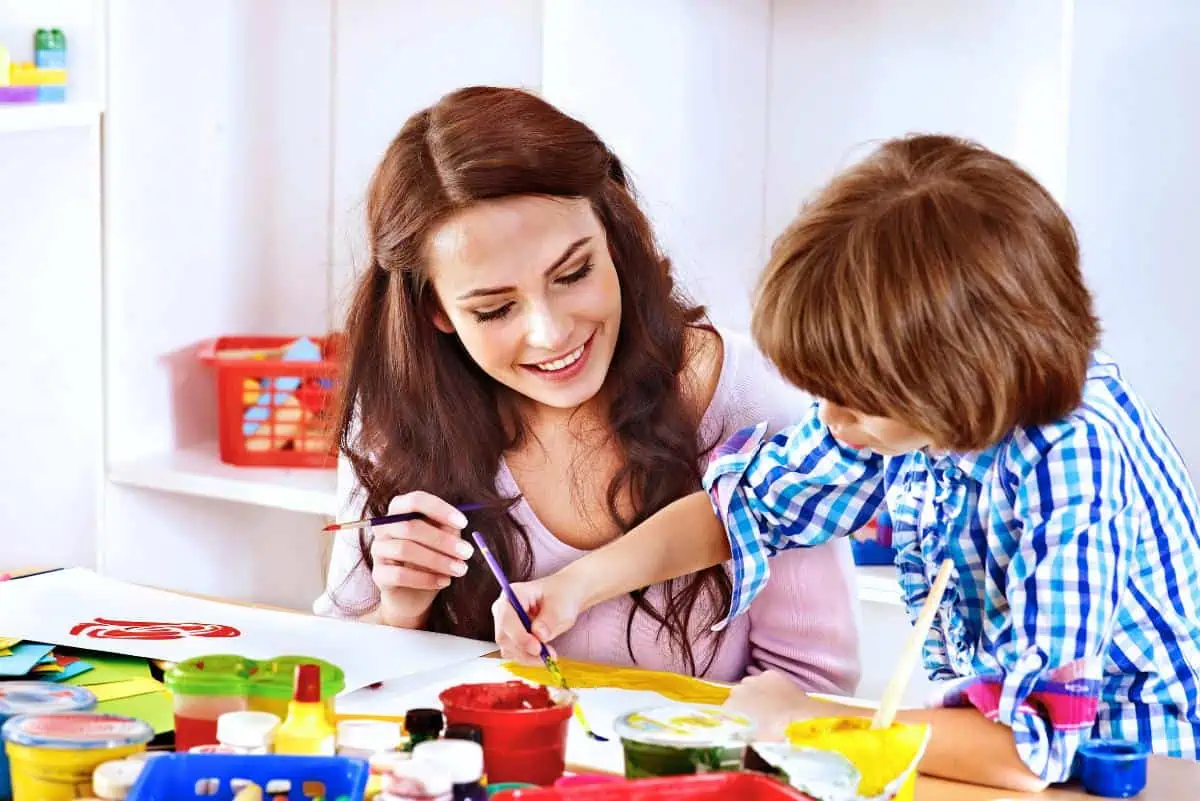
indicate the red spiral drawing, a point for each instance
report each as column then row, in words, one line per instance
column 103, row 628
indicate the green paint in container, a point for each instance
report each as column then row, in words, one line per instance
column 678, row 740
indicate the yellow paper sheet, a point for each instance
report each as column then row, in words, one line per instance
column 583, row 675
column 5, row 652
column 8, row 642
column 125, row 689
column 49, row 667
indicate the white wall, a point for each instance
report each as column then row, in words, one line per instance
column 678, row 90
column 1132, row 191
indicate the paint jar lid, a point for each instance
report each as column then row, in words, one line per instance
column 74, row 731
column 687, row 726
column 247, row 729
column 369, row 736
column 418, row 778
column 216, row 674
column 462, row 760
column 1113, row 768
column 464, row 731
column 218, row 748
column 275, row 678
column 423, row 721
column 34, row 697
column 114, row 779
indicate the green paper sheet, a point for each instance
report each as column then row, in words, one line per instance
column 154, row 708
column 108, row 667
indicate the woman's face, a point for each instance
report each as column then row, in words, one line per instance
column 528, row 286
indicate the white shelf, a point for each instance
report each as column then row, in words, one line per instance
column 878, row 584
column 199, row 472
column 17, row 117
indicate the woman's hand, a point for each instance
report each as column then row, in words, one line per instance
column 553, row 604
column 416, row 559
column 772, row 701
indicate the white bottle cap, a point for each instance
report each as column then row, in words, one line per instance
column 369, row 736
column 415, row 777
column 114, row 779
column 461, row 759
column 247, row 729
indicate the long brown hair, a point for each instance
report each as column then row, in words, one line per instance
column 936, row 283
column 417, row 413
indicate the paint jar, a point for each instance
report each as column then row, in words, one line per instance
column 463, row 763
column 679, row 740
column 380, row 765
column 270, row 685
column 253, row 732
column 524, row 727
column 417, row 781
column 366, row 738
column 36, row 697
column 52, row 757
column 112, row 780
column 217, row 748
column 463, row 731
column 422, row 725
column 204, row 689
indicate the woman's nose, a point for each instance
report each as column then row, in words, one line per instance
column 546, row 330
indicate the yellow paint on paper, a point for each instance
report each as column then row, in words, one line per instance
column 886, row 758
column 584, row 675
column 125, row 689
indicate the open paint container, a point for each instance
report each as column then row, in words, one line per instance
column 524, row 727
column 52, row 756
column 676, row 740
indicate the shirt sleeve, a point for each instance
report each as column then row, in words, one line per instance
column 350, row 590
column 799, row 487
column 1064, row 585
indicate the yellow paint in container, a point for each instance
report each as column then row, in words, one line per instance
column 52, row 757
column 885, row 758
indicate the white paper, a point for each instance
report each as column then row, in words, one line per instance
column 601, row 706
column 79, row 608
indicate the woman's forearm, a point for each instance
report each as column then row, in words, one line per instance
column 682, row 538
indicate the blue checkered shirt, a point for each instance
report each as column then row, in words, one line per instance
column 1073, row 610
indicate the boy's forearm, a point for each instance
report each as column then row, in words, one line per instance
column 682, row 538
column 964, row 746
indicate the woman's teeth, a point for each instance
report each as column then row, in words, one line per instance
column 564, row 362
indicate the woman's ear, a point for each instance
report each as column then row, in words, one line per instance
column 441, row 322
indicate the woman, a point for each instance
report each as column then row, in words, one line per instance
column 518, row 341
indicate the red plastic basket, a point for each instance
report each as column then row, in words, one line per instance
column 700, row 787
column 274, row 410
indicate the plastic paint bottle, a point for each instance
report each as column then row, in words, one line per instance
column 462, row 761
column 422, row 725
column 249, row 730
column 417, row 781
column 306, row 730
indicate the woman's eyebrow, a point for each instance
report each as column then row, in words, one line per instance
column 570, row 251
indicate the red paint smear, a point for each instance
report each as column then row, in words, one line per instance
column 107, row 629
column 515, row 695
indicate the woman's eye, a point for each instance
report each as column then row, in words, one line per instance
column 483, row 315
column 577, row 275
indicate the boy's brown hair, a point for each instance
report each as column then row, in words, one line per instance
column 935, row 283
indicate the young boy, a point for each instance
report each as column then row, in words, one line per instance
column 932, row 297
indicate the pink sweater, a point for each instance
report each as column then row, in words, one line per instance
column 805, row 623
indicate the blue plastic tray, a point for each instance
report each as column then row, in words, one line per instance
column 209, row 777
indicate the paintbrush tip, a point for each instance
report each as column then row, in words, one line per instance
column 332, row 527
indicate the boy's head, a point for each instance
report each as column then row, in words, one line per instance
column 935, row 285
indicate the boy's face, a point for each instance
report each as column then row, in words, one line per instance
column 862, row 431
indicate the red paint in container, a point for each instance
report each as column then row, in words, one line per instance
column 524, row 728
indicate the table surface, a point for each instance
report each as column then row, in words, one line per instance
column 1169, row 779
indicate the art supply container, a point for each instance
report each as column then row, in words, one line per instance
column 253, row 732
column 51, row 757
column 32, row 698
column 417, row 781
column 186, row 776
column 678, row 740
column 520, row 744
column 422, row 725
column 821, row 774
column 270, row 685
column 700, row 787
column 366, row 738
column 203, row 689
column 113, row 780
column 1113, row 768
column 886, row 758
column 463, row 761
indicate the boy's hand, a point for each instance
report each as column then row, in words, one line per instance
column 553, row 606
column 772, row 701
